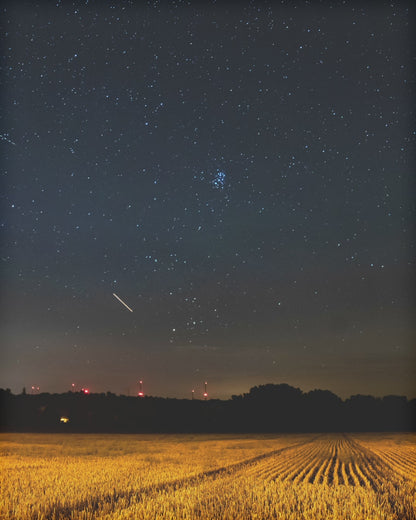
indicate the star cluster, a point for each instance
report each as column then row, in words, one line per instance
column 240, row 174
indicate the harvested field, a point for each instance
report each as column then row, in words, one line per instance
column 314, row 476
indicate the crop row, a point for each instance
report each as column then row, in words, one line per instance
column 330, row 461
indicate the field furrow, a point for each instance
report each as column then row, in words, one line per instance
column 406, row 467
column 319, row 476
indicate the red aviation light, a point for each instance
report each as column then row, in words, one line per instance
column 141, row 393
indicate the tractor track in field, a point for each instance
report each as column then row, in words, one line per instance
column 111, row 501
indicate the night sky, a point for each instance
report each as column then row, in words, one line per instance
column 239, row 174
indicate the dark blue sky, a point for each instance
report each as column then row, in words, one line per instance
column 240, row 175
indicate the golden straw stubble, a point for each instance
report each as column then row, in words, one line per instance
column 313, row 476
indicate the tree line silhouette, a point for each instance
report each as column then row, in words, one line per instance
column 265, row 408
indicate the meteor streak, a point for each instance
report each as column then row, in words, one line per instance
column 121, row 301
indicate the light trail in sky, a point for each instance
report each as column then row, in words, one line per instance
column 121, row 301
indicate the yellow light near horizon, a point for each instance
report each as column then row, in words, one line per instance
column 64, row 419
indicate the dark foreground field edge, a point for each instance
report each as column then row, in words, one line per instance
column 265, row 408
